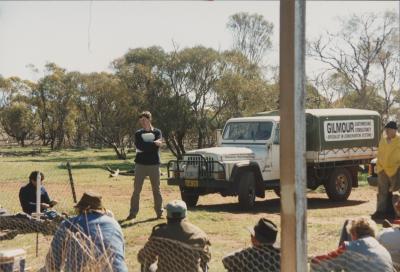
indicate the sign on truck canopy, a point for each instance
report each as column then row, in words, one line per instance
column 346, row 130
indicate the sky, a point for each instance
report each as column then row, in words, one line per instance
column 86, row 36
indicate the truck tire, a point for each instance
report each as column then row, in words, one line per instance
column 190, row 197
column 247, row 190
column 339, row 185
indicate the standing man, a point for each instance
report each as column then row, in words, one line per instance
column 147, row 141
column 388, row 170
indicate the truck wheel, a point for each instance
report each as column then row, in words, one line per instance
column 190, row 197
column 247, row 190
column 339, row 185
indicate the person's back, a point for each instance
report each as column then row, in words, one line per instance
column 262, row 256
column 362, row 253
column 182, row 231
column 377, row 258
column 94, row 231
column 390, row 239
column 106, row 234
column 177, row 233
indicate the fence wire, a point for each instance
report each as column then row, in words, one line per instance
column 17, row 229
column 351, row 261
column 79, row 252
column 21, row 230
column 161, row 254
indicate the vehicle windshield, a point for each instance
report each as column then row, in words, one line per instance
column 247, row 131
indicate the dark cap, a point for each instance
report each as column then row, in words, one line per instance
column 391, row 124
column 176, row 209
column 90, row 200
column 265, row 231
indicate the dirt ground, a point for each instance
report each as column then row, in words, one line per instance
column 219, row 217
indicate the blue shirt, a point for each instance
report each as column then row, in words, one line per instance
column 104, row 232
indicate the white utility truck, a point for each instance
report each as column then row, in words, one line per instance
column 247, row 161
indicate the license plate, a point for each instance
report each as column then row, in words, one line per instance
column 191, row 183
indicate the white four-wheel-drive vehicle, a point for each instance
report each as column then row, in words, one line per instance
column 247, row 162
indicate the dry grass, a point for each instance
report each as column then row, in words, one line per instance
column 217, row 216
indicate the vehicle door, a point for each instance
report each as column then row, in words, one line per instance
column 274, row 154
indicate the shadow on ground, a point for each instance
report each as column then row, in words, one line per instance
column 24, row 153
column 273, row 206
column 126, row 224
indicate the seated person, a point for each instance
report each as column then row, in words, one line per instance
column 362, row 253
column 177, row 245
column 389, row 236
column 261, row 256
column 91, row 241
column 390, row 239
column 27, row 195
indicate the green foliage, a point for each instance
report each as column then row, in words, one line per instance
column 372, row 101
column 18, row 121
column 109, row 110
column 193, row 91
column 314, row 100
column 54, row 99
column 251, row 35
column 361, row 62
column 206, row 86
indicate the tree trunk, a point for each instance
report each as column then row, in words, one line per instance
column 43, row 134
column 181, row 143
column 200, row 139
column 167, row 141
column 121, row 154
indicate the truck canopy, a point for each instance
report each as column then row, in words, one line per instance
column 328, row 129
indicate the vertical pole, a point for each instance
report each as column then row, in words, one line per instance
column 71, row 181
column 38, row 200
column 38, row 192
column 292, row 136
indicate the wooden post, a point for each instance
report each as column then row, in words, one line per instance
column 37, row 244
column 292, row 136
column 71, row 182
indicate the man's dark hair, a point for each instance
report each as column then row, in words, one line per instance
column 146, row 114
column 34, row 174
